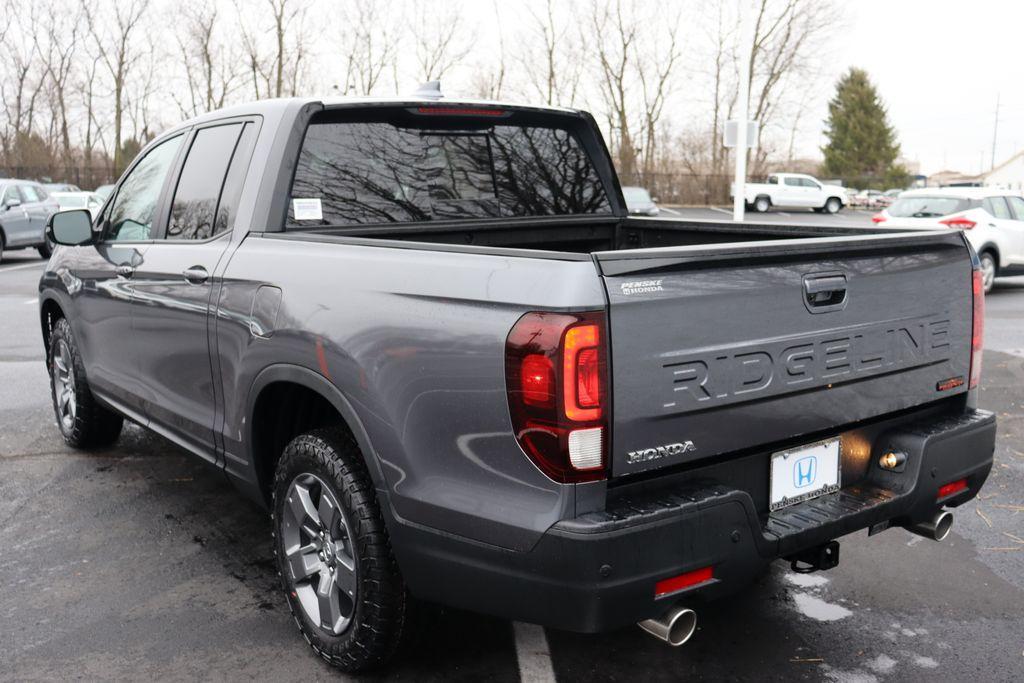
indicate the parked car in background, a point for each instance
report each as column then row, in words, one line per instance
column 889, row 196
column 78, row 200
column 867, row 199
column 992, row 220
column 639, row 202
column 62, row 187
column 794, row 191
column 25, row 206
column 104, row 191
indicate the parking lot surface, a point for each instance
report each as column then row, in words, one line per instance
column 137, row 562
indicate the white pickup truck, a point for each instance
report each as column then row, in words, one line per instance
column 794, row 191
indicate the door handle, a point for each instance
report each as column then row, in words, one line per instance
column 125, row 270
column 196, row 275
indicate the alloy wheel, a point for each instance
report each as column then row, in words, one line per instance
column 64, row 385
column 319, row 554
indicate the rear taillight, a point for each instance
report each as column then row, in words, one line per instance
column 556, row 376
column 958, row 223
column 878, row 218
column 978, row 327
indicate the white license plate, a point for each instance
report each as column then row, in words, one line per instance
column 803, row 473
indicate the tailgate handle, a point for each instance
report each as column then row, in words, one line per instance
column 825, row 292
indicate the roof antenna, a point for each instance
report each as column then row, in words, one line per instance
column 431, row 90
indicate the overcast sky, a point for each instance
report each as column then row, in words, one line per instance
column 939, row 66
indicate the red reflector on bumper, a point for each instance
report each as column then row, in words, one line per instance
column 951, row 488
column 678, row 583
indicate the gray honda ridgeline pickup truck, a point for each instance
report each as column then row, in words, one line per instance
column 429, row 337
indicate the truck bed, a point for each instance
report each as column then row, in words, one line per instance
column 587, row 235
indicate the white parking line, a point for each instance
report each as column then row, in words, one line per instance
column 23, row 267
column 533, row 654
column 715, row 208
column 30, row 301
column 783, row 213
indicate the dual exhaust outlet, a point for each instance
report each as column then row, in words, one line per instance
column 678, row 625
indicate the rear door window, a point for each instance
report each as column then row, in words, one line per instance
column 29, row 194
column 996, row 206
column 194, row 210
column 1017, row 205
column 413, row 170
column 794, row 182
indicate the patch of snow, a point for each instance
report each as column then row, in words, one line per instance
column 818, row 609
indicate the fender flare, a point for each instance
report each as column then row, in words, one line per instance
column 296, row 374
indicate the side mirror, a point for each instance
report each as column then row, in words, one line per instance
column 72, row 228
column 12, row 202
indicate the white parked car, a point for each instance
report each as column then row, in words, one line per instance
column 78, row 200
column 992, row 219
column 794, row 191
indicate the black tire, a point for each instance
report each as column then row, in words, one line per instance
column 1, row 246
column 82, row 421
column 378, row 625
column 832, row 205
column 762, row 204
column 989, row 270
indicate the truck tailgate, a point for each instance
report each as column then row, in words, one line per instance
column 716, row 349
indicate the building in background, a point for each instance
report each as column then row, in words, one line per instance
column 1008, row 175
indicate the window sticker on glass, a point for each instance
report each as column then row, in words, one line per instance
column 307, row 209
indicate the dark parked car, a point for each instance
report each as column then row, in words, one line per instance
column 431, row 340
column 25, row 207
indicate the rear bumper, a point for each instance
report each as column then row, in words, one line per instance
column 597, row 572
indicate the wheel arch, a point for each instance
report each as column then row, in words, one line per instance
column 312, row 401
column 50, row 311
column 993, row 249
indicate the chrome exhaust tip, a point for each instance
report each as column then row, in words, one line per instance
column 675, row 627
column 937, row 528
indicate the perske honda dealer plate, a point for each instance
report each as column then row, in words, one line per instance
column 803, row 473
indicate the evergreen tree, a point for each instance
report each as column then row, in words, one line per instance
column 862, row 146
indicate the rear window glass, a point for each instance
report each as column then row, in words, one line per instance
column 928, row 207
column 378, row 172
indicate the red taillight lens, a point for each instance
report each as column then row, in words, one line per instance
column 978, row 328
column 537, row 380
column 958, row 223
column 952, row 487
column 555, row 366
column 678, row 583
column 878, row 218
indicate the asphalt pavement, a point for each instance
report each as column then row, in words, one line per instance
column 138, row 562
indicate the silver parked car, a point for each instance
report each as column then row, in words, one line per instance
column 25, row 206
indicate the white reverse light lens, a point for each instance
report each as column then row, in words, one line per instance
column 585, row 446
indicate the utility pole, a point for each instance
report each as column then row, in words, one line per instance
column 740, row 181
column 995, row 130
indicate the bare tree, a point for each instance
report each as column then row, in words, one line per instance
column 555, row 77
column 489, row 82
column 20, row 81
column 276, row 70
column 370, row 45
column 212, row 69
column 785, row 38
column 56, row 47
column 627, row 56
column 113, row 33
column 440, row 39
